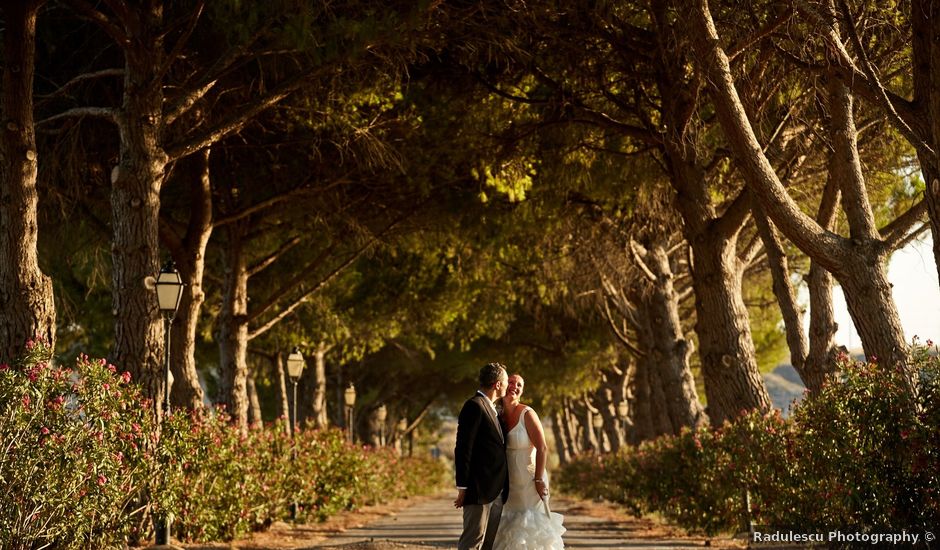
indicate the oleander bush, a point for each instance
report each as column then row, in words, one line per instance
column 74, row 454
column 82, row 464
column 864, row 452
column 221, row 483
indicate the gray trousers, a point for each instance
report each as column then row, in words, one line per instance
column 480, row 522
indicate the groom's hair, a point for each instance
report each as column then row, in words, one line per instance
column 490, row 374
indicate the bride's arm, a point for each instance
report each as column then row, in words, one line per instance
column 537, row 436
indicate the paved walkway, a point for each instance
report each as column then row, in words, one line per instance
column 435, row 523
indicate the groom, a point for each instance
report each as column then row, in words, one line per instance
column 480, row 457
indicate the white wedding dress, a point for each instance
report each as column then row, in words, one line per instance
column 525, row 523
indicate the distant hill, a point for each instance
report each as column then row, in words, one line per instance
column 784, row 386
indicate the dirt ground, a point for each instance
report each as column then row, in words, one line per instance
column 283, row 536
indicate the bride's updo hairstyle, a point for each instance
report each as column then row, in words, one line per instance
column 490, row 374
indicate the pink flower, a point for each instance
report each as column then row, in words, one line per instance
column 44, row 430
column 126, row 377
column 26, row 401
column 30, row 344
column 106, row 387
column 101, row 479
column 112, row 368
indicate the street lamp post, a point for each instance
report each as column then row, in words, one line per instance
column 598, row 422
column 295, row 368
column 381, row 414
column 169, row 287
column 349, row 396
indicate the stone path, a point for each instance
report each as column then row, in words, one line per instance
column 434, row 523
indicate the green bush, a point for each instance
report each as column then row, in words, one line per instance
column 73, row 455
column 221, row 484
column 82, row 465
column 863, row 452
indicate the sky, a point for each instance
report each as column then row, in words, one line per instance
column 913, row 273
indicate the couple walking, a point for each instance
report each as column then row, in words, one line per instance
column 500, row 459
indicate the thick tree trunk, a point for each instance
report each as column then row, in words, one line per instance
column 190, row 258
column 135, row 207
column 783, row 290
column 667, row 350
column 586, row 424
column 280, row 383
column 233, row 329
column 562, row 445
column 871, row 305
column 605, row 399
column 644, row 426
column 820, row 360
column 925, row 46
column 313, row 387
column 729, row 363
column 26, row 299
column 320, row 420
column 254, row 403
column 864, row 280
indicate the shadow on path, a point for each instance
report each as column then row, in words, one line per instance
column 434, row 523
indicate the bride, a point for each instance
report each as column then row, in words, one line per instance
column 526, row 521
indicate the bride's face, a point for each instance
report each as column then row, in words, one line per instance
column 514, row 389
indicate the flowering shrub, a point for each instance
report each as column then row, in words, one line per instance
column 73, row 453
column 862, row 452
column 82, row 464
column 221, row 484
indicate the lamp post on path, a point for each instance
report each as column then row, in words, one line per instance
column 169, row 292
column 295, row 368
column 349, row 397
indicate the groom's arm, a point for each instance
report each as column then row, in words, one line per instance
column 467, row 425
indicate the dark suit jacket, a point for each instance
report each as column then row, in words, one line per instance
column 480, row 454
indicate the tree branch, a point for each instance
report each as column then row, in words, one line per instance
column 181, row 42
column 303, row 297
column 106, row 113
column 260, row 265
column 268, row 203
column 896, row 231
column 303, row 276
column 82, row 78
column 783, row 290
column 901, row 112
column 758, row 172
column 85, row 9
column 734, row 216
column 638, row 251
column 912, row 236
column 761, row 34
column 192, row 93
column 240, row 117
